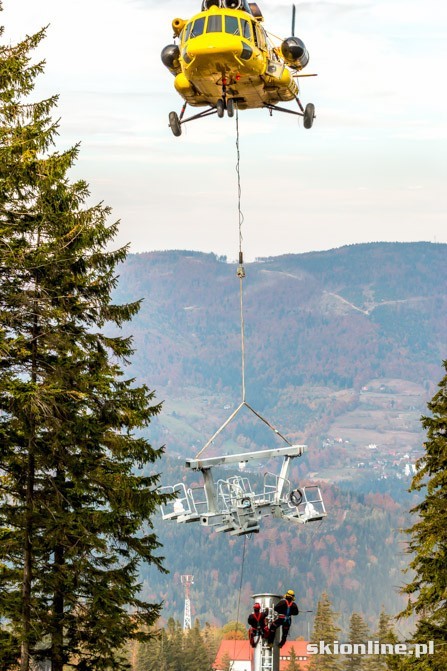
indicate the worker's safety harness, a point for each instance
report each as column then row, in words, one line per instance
column 257, row 632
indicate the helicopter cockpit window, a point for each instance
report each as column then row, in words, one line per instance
column 246, row 30
column 255, row 34
column 185, row 33
column 232, row 25
column 214, row 24
column 198, row 28
column 262, row 43
column 247, row 51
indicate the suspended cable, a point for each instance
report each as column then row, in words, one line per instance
column 240, row 270
column 239, row 595
column 240, row 582
column 239, row 189
column 241, row 275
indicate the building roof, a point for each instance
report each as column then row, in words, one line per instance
column 241, row 651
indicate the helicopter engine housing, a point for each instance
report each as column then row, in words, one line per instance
column 170, row 58
column 232, row 4
column 294, row 52
column 207, row 4
column 226, row 4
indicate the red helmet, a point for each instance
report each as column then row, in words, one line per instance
column 256, row 606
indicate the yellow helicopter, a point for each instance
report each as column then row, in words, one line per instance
column 225, row 58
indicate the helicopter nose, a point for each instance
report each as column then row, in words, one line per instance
column 202, row 48
column 211, row 49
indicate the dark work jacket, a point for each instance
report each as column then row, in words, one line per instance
column 282, row 606
column 255, row 622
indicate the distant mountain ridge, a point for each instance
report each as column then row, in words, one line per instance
column 327, row 321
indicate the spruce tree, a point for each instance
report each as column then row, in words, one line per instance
column 227, row 663
column 325, row 629
column 195, row 652
column 174, row 649
column 293, row 664
column 386, row 635
column 358, row 634
column 152, row 656
column 77, row 487
column 212, row 637
column 427, row 590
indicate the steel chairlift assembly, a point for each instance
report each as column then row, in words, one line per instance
column 232, row 505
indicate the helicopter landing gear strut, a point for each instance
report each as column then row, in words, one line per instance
column 220, row 108
column 225, row 104
column 175, row 124
column 176, row 121
column 308, row 113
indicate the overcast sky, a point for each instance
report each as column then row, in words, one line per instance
column 373, row 167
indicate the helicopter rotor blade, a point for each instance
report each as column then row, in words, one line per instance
column 293, row 20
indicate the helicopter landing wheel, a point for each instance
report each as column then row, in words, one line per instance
column 174, row 124
column 309, row 115
column 230, row 107
column 220, row 107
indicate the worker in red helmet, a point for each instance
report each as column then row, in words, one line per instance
column 258, row 625
column 285, row 609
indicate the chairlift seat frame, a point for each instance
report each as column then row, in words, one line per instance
column 232, row 505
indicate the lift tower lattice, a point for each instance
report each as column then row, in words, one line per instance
column 187, row 581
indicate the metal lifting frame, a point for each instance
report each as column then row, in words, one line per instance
column 244, row 500
column 241, row 276
column 287, row 452
column 232, row 506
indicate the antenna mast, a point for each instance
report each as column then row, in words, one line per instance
column 187, row 581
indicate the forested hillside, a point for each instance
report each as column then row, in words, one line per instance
column 344, row 348
column 346, row 343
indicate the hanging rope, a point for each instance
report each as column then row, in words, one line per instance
column 239, row 596
column 240, row 582
column 241, row 275
column 239, row 189
column 241, row 269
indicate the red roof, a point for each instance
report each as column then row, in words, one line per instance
column 242, row 651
